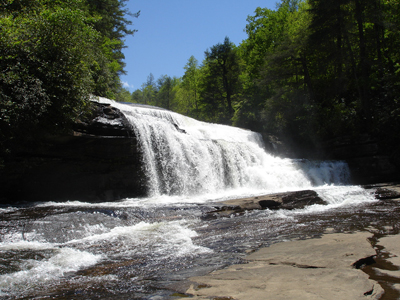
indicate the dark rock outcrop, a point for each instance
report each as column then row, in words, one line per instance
column 291, row 200
column 99, row 161
column 368, row 162
column 287, row 200
column 389, row 191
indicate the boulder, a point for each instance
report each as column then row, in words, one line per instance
column 287, row 200
column 385, row 191
column 300, row 199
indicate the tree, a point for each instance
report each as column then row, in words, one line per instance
column 112, row 24
column 220, row 81
column 165, row 93
column 46, row 55
column 349, row 37
column 137, row 96
column 277, row 82
column 123, row 95
column 52, row 58
column 190, row 85
column 150, row 80
column 149, row 91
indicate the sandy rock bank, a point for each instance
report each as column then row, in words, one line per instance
column 321, row 268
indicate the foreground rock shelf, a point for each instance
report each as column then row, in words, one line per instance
column 304, row 269
column 359, row 265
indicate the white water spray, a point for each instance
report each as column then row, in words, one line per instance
column 183, row 156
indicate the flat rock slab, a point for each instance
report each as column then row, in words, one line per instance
column 391, row 245
column 320, row 268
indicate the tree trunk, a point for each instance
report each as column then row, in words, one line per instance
column 307, row 77
column 364, row 76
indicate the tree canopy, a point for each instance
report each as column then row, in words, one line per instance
column 310, row 70
column 53, row 56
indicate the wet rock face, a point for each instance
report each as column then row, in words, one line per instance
column 301, row 199
column 292, row 200
column 99, row 161
column 105, row 121
column 368, row 161
column 288, row 200
column 383, row 193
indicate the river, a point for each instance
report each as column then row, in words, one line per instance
column 147, row 248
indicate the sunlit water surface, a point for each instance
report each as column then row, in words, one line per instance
column 138, row 248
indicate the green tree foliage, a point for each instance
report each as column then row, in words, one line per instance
column 335, row 70
column 189, row 91
column 160, row 93
column 357, row 61
column 123, row 95
column 220, row 82
column 46, row 55
column 310, row 70
column 112, row 24
column 318, row 69
column 165, row 92
column 277, row 81
column 51, row 61
column 149, row 91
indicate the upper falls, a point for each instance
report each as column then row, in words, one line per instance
column 183, row 156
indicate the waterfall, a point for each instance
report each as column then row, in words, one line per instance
column 140, row 247
column 183, row 156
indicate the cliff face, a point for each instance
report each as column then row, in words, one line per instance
column 99, row 161
column 368, row 161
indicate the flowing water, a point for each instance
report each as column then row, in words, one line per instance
column 147, row 248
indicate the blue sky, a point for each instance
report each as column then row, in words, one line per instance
column 170, row 31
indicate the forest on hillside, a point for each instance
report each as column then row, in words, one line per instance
column 310, row 70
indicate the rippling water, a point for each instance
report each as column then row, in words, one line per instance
column 136, row 249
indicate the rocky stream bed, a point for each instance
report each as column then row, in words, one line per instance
column 235, row 249
column 347, row 261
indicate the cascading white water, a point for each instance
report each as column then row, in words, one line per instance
column 183, row 156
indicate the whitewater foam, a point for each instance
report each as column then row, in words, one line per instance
column 35, row 273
